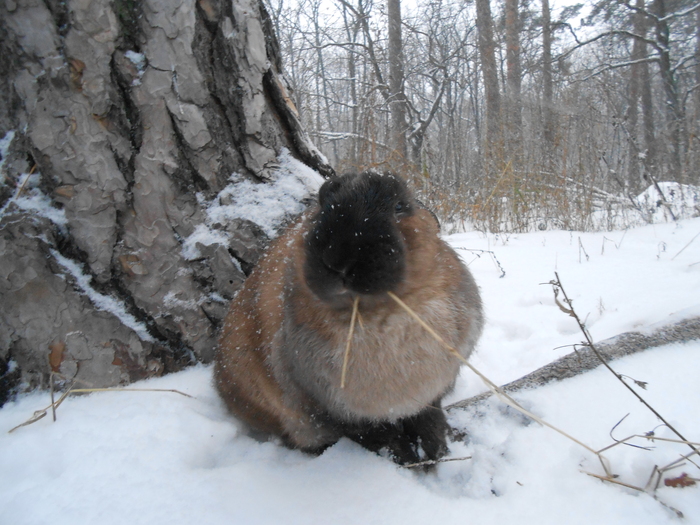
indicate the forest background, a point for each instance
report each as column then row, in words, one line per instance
column 508, row 115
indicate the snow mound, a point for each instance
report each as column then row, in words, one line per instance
column 683, row 200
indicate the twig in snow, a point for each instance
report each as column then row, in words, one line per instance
column 677, row 512
column 429, row 462
column 40, row 414
column 581, row 249
column 493, row 258
column 19, row 190
column 589, row 341
column 684, row 247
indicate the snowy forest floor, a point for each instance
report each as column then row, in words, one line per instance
column 153, row 457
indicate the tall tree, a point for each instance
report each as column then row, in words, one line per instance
column 131, row 117
column 547, row 84
column 514, row 74
column 489, row 68
column 397, row 98
column 640, row 89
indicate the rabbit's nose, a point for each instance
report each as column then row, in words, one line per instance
column 341, row 266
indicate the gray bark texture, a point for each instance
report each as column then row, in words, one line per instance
column 583, row 360
column 131, row 114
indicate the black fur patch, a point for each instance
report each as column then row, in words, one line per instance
column 355, row 245
column 404, row 439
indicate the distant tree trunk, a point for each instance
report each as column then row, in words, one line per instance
column 673, row 107
column 351, row 31
column 638, row 53
column 397, row 99
column 321, row 77
column 547, row 84
column 487, row 51
column 650, row 160
column 514, row 75
column 132, row 116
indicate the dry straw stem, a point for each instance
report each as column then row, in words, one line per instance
column 495, row 388
column 589, row 342
column 40, row 414
column 429, row 462
column 677, row 512
column 351, row 332
column 684, row 247
column 19, row 190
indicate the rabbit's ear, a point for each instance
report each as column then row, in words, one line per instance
column 329, row 188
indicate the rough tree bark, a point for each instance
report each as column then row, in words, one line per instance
column 132, row 115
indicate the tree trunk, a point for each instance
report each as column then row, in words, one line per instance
column 673, row 107
column 487, row 51
column 132, row 116
column 547, row 89
column 639, row 52
column 397, row 100
column 514, row 76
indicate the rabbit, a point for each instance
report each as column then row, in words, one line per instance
column 280, row 357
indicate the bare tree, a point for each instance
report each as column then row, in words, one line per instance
column 397, row 98
column 489, row 68
column 514, row 74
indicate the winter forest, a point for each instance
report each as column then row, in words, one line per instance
column 152, row 150
column 508, row 115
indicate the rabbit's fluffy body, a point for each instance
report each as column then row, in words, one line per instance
column 282, row 346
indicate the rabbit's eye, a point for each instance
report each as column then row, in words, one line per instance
column 399, row 207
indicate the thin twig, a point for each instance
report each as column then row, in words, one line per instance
column 428, row 462
column 684, row 247
column 557, row 285
column 611, row 480
column 87, row 390
column 53, row 402
column 40, row 414
column 493, row 258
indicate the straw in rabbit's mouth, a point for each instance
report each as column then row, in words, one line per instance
column 355, row 305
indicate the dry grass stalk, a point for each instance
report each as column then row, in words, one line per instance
column 658, row 472
column 429, row 462
column 498, row 392
column 677, row 512
column 351, row 332
column 569, row 310
column 40, row 414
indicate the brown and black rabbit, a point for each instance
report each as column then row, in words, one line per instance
column 281, row 351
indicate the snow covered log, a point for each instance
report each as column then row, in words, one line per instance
column 584, row 359
column 125, row 124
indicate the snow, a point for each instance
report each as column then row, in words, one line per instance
column 139, row 60
column 267, row 205
column 159, row 457
column 5, row 142
column 101, row 301
column 682, row 199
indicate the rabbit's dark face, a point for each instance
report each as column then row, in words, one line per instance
column 355, row 245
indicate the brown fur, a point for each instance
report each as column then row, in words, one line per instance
column 281, row 350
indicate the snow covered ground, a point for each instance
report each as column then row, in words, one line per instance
column 151, row 458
